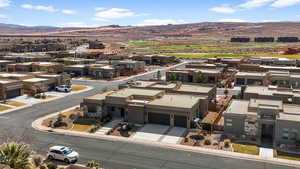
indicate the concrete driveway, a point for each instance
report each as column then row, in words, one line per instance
column 151, row 132
column 174, row 135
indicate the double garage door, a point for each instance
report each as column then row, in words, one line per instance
column 164, row 119
column 13, row 93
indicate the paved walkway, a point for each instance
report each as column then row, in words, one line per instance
column 266, row 152
column 108, row 127
column 151, row 132
column 174, row 135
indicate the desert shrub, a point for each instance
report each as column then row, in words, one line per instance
column 43, row 96
column 207, row 142
column 73, row 116
column 226, row 143
column 60, row 124
column 51, row 165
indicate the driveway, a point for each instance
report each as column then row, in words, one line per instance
column 174, row 135
column 151, row 132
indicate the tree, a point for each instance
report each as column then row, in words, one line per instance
column 15, row 155
column 158, row 75
column 172, row 76
column 199, row 77
column 93, row 164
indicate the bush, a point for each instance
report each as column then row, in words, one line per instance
column 51, row 165
column 207, row 142
column 226, row 143
column 43, row 96
column 60, row 124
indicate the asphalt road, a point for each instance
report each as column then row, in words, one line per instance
column 114, row 154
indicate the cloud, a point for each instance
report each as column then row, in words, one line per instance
column 68, row 11
column 284, row 3
column 3, row 17
column 99, row 9
column 231, row 20
column 76, row 24
column 255, row 3
column 223, row 9
column 39, row 7
column 5, row 3
column 113, row 13
column 149, row 22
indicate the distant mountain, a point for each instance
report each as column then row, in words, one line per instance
column 217, row 30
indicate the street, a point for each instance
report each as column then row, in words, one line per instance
column 115, row 154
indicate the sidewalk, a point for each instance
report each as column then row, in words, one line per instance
column 108, row 127
column 37, row 124
column 266, row 152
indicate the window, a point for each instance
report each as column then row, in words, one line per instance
column 229, row 120
column 229, row 124
column 285, row 133
column 112, row 108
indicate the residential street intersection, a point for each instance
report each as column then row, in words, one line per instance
column 115, row 154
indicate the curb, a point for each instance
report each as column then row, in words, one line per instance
column 37, row 126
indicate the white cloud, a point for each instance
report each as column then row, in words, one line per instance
column 285, row 3
column 231, row 20
column 113, row 13
column 4, row 3
column 255, row 3
column 76, row 24
column 149, row 22
column 3, row 16
column 39, row 7
column 99, row 9
column 68, row 11
column 223, row 9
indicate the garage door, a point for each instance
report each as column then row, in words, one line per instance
column 180, row 121
column 13, row 93
column 156, row 118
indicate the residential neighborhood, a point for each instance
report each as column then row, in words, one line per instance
column 149, row 84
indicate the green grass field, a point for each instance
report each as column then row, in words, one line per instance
column 205, row 55
column 141, row 43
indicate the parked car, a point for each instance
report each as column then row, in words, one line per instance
column 62, row 153
column 63, row 88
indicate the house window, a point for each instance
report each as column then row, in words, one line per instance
column 229, row 124
column 229, row 120
column 285, row 133
column 112, row 108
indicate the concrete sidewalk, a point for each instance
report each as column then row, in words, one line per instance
column 266, row 152
column 151, row 132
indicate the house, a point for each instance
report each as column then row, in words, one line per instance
column 100, row 71
column 56, row 80
column 128, row 67
column 38, row 85
column 240, row 39
column 15, row 76
column 4, row 63
column 155, row 59
column 48, row 67
column 272, row 61
column 189, row 75
column 96, row 45
column 76, row 70
column 21, row 58
column 145, row 105
column 74, row 61
column 10, row 88
column 251, row 78
column 288, row 96
column 264, row 39
column 263, row 121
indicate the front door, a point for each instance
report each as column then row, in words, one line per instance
column 267, row 133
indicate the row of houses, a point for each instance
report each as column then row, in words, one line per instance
column 16, row 84
column 157, row 102
column 265, row 39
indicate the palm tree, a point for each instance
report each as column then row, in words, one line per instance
column 15, row 155
column 93, row 164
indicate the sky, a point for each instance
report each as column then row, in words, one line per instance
column 92, row 13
